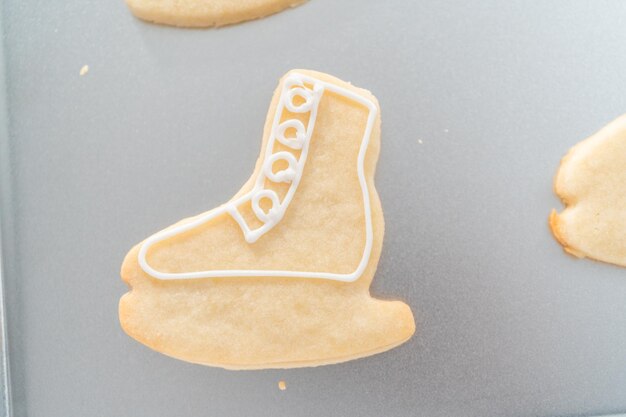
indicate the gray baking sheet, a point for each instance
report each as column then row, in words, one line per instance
column 479, row 102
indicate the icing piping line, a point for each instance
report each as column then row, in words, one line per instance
column 230, row 208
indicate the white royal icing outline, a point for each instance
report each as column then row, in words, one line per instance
column 291, row 174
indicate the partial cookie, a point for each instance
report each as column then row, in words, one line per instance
column 591, row 182
column 279, row 276
column 206, row 13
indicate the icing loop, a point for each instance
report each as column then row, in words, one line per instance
column 273, row 214
column 295, row 142
column 285, row 175
column 302, row 93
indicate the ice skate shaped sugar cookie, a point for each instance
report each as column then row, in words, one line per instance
column 279, row 276
column 206, row 13
column 591, row 182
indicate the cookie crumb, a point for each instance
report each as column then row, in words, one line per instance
column 282, row 385
column 84, row 70
column 420, row 141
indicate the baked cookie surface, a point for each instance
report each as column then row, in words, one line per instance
column 591, row 182
column 206, row 13
column 279, row 276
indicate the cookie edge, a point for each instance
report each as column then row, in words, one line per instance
column 208, row 20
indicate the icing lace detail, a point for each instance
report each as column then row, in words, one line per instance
column 293, row 88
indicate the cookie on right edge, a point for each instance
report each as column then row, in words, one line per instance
column 591, row 182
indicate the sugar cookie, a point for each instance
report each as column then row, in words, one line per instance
column 279, row 276
column 206, row 13
column 591, row 182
